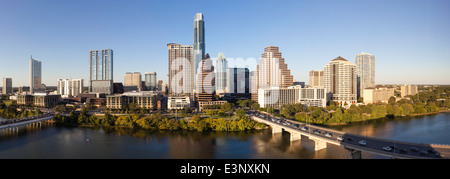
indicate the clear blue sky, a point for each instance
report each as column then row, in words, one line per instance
column 409, row 38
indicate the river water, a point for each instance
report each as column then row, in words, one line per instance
column 96, row 143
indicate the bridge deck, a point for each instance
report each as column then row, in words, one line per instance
column 351, row 141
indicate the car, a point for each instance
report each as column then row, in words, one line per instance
column 340, row 138
column 414, row 149
column 403, row 151
column 304, row 128
column 387, row 148
column 328, row 134
column 363, row 142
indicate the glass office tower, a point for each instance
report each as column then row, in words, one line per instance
column 221, row 73
column 35, row 75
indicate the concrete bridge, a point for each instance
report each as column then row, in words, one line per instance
column 13, row 125
column 352, row 142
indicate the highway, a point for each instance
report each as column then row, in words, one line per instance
column 356, row 142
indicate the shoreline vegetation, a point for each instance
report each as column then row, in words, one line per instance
column 227, row 118
column 426, row 102
column 157, row 121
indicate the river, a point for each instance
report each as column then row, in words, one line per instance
column 52, row 142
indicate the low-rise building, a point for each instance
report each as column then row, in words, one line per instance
column 147, row 100
column 178, row 102
column 39, row 99
column 376, row 95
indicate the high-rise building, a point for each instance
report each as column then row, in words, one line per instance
column 101, row 71
column 7, row 86
column 221, row 73
column 199, row 41
column 205, row 88
column 35, row 75
column 181, row 69
column 150, row 81
column 316, row 78
column 133, row 79
column 272, row 71
column 340, row 80
column 68, row 88
column 238, row 81
column 365, row 64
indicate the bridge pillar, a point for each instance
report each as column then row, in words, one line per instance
column 295, row 136
column 354, row 154
column 319, row 144
column 276, row 129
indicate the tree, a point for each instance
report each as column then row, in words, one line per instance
column 227, row 107
column 407, row 109
column 241, row 113
column 255, row 106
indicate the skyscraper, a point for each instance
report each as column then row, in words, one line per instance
column 150, row 81
column 316, row 78
column 272, row 71
column 365, row 64
column 199, row 41
column 133, row 79
column 205, row 88
column 340, row 80
column 35, row 75
column 101, row 71
column 221, row 73
column 7, row 86
column 181, row 69
column 238, row 81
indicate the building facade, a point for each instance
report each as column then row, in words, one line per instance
column 178, row 102
column 408, row 90
column 39, row 99
column 133, row 79
column 69, row 88
column 101, row 71
column 205, row 88
column 221, row 74
column 314, row 96
column 181, row 69
column 35, row 75
column 150, row 81
column 275, row 97
column 378, row 95
column 272, row 71
column 365, row 69
column 7, row 86
column 199, row 42
column 147, row 100
column 238, row 81
column 340, row 81
column 316, row 78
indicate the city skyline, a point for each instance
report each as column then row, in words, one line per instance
column 402, row 39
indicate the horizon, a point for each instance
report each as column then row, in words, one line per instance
column 402, row 35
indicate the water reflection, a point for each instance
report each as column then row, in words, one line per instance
column 88, row 142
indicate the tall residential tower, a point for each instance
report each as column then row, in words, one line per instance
column 199, row 41
column 365, row 64
column 101, row 71
column 340, row 80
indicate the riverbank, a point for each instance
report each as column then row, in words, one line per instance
column 159, row 122
column 394, row 118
